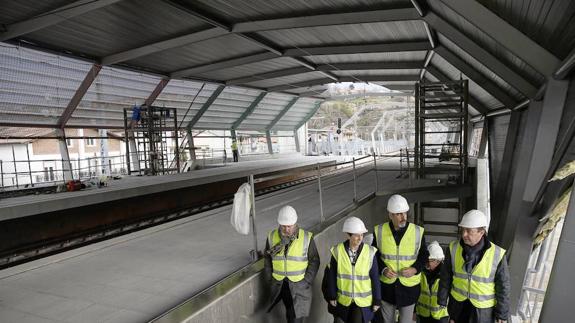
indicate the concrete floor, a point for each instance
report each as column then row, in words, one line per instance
column 136, row 277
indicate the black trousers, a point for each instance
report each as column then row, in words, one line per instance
column 285, row 295
column 236, row 156
column 432, row 320
column 354, row 314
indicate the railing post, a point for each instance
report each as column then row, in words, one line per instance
column 90, row 169
column 354, row 181
column 376, row 174
column 253, row 213
column 15, row 167
column 321, row 219
column 2, row 171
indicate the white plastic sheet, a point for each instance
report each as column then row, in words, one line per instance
column 241, row 209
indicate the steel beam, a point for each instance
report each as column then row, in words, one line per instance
column 371, row 66
column 53, row 17
column 402, row 14
column 281, row 114
column 481, row 54
column 566, row 66
column 506, row 35
column 380, row 78
column 300, row 85
column 163, row 45
column 476, row 76
column 269, row 142
column 553, row 105
column 358, row 49
column 269, row 75
column 248, row 111
column 474, row 102
column 205, row 107
column 308, row 116
column 80, row 92
column 156, row 92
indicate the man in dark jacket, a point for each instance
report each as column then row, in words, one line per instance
column 290, row 266
column 475, row 275
column 400, row 287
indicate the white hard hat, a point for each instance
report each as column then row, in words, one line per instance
column 435, row 251
column 397, row 204
column 473, row 219
column 354, row 225
column 287, row 216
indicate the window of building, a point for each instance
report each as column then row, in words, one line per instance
column 90, row 142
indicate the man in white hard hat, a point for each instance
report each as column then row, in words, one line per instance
column 291, row 264
column 475, row 276
column 427, row 309
column 353, row 290
column 401, row 260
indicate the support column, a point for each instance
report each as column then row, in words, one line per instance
column 269, row 141
column 66, row 165
column 191, row 146
column 559, row 294
column 134, row 156
column 296, row 138
column 104, row 151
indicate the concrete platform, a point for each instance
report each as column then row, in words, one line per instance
column 142, row 185
column 134, row 278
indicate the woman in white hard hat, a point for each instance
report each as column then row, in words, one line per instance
column 353, row 277
column 290, row 265
column 427, row 309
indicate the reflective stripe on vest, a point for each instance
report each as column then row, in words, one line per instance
column 427, row 303
column 479, row 285
column 399, row 257
column 353, row 282
column 294, row 264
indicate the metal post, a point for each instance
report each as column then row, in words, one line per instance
column 29, row 165
column 253, row 213
column 354, row 181
column 376, row 174
column 15, row 167
column 90, row 169
column 321, row 219
column 79, row 168
column 2, row 172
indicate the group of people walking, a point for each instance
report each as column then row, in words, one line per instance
column 397, row 277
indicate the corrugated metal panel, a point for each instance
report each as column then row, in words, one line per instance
column 483, row 96
column 296, row 114
column 20, row 10
column 370, row 57
column 549, row 23
column 266, row 111
column 180, row 94
column 480, row 67
column 348, row 34
column 117, row 27
column 487, row 42
column 240, row 10
column 228, row 107
column 199, row 53
column 287, row 80
column 23, row 132
column 250, row 69
column 36, row 84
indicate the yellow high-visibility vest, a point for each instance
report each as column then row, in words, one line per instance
column 294, row 264
column 479, row 285
column 427, row 303
column 353, row 282
column 399, row 257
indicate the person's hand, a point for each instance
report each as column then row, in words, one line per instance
column 333, row 303
column 414, row 317
column 451, row 321
column 408, row 272
column 375, row 308
column 389, row 273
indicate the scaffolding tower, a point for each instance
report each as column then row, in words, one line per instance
column 152, row 140
column 441, row 136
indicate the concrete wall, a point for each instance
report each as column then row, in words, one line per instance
column 247, row 302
